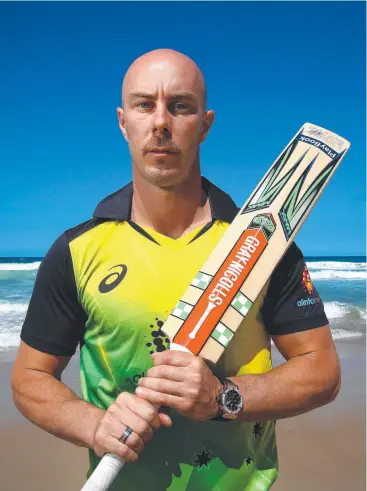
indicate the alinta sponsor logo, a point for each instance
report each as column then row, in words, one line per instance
column 307, row 282
column 309, row 288
column 304, row 302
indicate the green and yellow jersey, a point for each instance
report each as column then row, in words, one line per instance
column 109, row 284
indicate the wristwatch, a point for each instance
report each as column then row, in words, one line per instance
column 229, row 400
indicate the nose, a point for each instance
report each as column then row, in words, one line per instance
column 162, row 120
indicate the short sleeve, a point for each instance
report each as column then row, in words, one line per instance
column 55, row 320
column 292, row 303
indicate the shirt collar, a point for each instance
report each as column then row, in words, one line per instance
column 117, row 206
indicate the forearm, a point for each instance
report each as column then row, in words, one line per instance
column 53, row 406
column 299, row 385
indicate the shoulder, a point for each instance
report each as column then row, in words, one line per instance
column 292, row 257
column 292, row 303
column 289, row 270
column 60, row 246
column 82, row 228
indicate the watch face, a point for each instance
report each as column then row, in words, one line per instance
column 232, row 401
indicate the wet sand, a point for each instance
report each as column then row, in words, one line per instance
column 320, row 451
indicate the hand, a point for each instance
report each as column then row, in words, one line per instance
column 128, row 411
column 183, row 382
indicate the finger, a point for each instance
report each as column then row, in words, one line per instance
column 166, row 420
column 176, row 374
column 159, row 398
column 112, row 445
column 162, row 385
column 144, row 409
column 117, row 430
column 134, row 441
column 174, row 358
column 137, row 423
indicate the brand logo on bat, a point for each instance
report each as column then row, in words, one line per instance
column 233, row 271
column 318, row 144
column 326, row 136
column 266, row 222
column 223, row 287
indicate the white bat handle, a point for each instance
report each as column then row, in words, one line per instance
column 110, row 465
column 105, row 473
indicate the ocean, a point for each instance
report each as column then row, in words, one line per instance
column 340, row 281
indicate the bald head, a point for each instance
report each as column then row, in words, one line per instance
column 164, row 117
column 170, row 69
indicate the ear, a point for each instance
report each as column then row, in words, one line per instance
column 207, row 124
column 122, row 122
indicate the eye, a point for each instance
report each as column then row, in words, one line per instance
column 179, row 107
column 145, row 105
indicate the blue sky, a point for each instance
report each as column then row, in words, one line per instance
column 269, row 67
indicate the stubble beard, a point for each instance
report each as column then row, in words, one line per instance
column 166, row 175
column 161, row 176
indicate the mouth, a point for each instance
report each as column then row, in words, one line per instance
column 161, row 151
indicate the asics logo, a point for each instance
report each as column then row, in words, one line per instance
column 113, row 279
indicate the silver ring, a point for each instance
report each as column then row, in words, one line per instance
column 126, row 434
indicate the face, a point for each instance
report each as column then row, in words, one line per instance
column 164, row 119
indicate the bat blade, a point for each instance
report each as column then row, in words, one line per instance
column 221, row 293
column 207, row 316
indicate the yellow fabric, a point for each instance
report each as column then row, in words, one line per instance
column 128, row 285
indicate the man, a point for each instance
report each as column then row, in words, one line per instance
column 109, row 284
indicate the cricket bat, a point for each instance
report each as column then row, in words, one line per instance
column 218, row 299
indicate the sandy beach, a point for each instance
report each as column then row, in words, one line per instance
column 322, row 450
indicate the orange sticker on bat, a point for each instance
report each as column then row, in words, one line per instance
column 217, row 297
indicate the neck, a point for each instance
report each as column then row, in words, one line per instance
column 172, row 211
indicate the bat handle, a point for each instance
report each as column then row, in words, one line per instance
column 110, row 465
column 105, row 473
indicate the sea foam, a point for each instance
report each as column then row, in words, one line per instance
column 9, row 340
column 337, row 270
column 338, row 265
column 9, row 308
column 337, row 310
column 19, row 267
column 338, row 275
